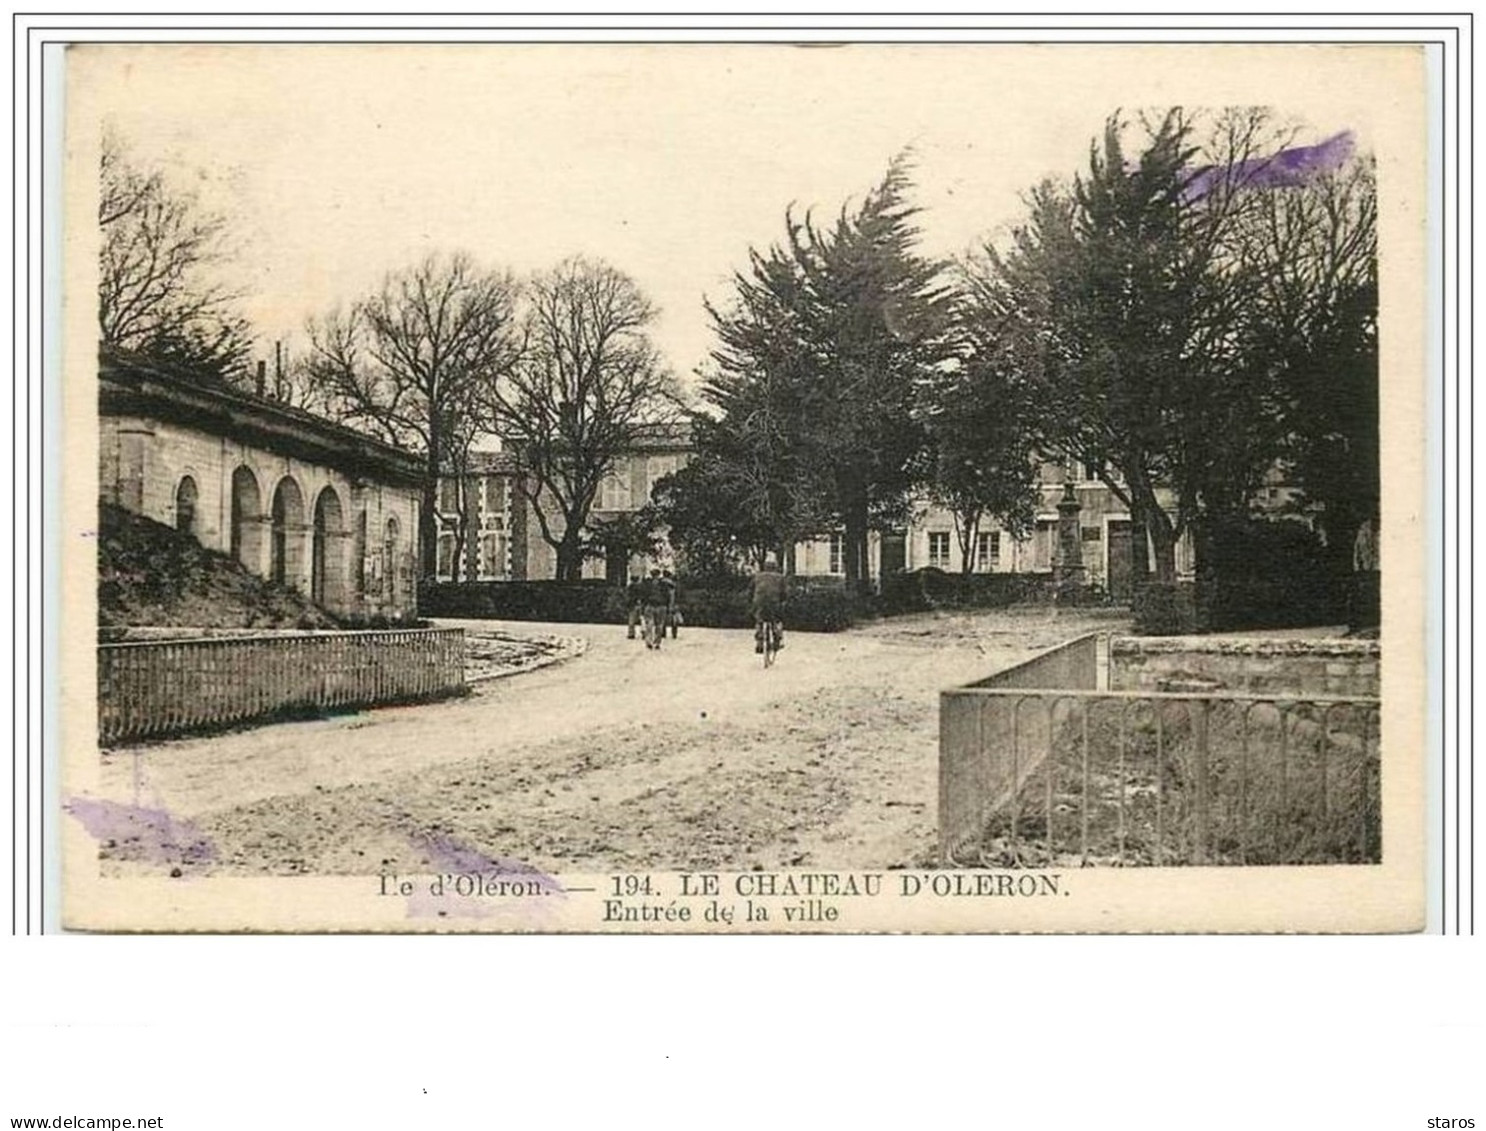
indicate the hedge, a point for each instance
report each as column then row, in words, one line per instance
column 574, row 602
column 1267, row 574
column 926, row 589
column 1165, row 609
column 722, row 603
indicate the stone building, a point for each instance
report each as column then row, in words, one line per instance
column 659, row 450
column 294, row 497
column 480, row 529
column 503, row 540
column 932, row 538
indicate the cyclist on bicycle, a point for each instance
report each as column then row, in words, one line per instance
column 768, row 604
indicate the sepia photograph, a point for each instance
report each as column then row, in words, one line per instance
column 744, row 487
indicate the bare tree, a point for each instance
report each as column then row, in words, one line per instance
column 411, row 361
column 156, row 294
column 588, row 379
column 462, row 433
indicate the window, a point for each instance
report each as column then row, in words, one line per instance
column 391, row 558
column 449, row 495
column 286, row 550
column 987, row 550
column 493, row 555
column 1092, row 469
column 1091, row 534
column 939, row 549
column 185, row 506
column 614, row 493
column 446, row 555
column 360, row 551
column 1043, row 541
column 657, row 468
column 245, row 540
column 838, row 550
column 495, row 497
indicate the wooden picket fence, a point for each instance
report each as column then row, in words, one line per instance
column 150, row 689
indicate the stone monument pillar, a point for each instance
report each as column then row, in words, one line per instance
column 1068, row 562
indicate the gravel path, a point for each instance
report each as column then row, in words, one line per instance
column 615, row 758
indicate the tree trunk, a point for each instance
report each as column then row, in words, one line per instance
column 428, row 514
column 570, row 556
column 853, row 494
column 1209, row 574
column 469, row 543
column 965, row 530
column 1148, row 513
column 1163, row 542
column 1140, row 555
column 428, row 524
column 854, row 550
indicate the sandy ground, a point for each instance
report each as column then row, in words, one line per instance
column 618, row 758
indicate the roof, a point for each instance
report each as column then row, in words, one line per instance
column 491, row 463
column 665, row 436
column 131, row 385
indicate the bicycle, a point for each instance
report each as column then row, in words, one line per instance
column 773, row 631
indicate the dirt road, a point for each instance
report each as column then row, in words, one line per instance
column 690, row 757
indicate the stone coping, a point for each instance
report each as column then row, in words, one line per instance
column 1245, row 646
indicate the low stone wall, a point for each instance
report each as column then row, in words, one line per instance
column 1258, row 666
column 158, row 688
column 988, row 746
column 1074, row 665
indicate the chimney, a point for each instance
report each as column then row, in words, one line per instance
column 262, row 365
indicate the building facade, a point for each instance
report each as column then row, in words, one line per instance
column 502, row 538
column 932, row 539
column 293, row 497
column 479, row 519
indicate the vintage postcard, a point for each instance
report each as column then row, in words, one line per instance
column 737, row 488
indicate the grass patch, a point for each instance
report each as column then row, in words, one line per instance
column 1298, row 786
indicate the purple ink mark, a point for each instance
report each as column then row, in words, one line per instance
column 469, row 884
column 132, row 832
column 1288, row 168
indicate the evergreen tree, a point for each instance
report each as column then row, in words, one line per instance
column 820, row 361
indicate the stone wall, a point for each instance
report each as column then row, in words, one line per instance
column 367, row 572
column 1260, row 666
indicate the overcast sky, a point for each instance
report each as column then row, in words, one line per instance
column 337, row 164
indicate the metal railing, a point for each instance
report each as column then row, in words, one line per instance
column 1076, row 776
column 150, row 689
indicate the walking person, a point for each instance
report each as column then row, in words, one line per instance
column 673, row 608
column 654, row 596
column 634, row 605
column 1365, row 612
